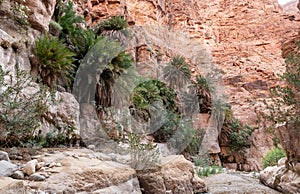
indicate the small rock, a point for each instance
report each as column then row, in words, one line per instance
column 36, row 157
column 36, row 177
column 7, row 168
column 281, row 162
column 40, row 165
column 30, row 167
column 5, row 44
column 18, row 175
column 198, row 185
column 4, row 156
column 91, row 147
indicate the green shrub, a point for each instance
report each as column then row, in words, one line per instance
column 143, row 155
column 208, row 170
column 194, row 146
column 271, row 158
column 239, row 137
column 177, row 73
column 112, row 23
column 73, row 30
column 55, row 60
column 20, row 113
column 67, row 18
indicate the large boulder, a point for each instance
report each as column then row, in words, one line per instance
column 7, row 168
column 281, row 178
column 81, row 172
column 11, row 186
column 175, row 174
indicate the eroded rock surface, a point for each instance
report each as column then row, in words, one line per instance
column 174, row 175
column 235, row 182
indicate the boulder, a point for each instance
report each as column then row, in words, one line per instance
column 36, row 177
column 30, row 167
column 11, row 186
column 7, row 168
column 175, row 174
column 78, row 173
column 4, row 156
column 18, row 175
column 237, row 183
column 280, row 178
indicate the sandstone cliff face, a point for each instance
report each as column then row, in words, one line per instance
column 244, row 38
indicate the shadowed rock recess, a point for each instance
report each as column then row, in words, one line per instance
column 231, row 53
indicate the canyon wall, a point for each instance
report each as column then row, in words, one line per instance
column 244, row 38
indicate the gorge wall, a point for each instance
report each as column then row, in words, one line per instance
column 244, row 38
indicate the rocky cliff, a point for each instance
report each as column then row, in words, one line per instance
column 244, row 38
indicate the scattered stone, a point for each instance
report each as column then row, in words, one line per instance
column 30, row 167
column 91, row 147
column 18, row 175
column 7, row 168
column 54, row 164
column 39, row 165
column 36, row 177
column 4, row 156
column 36, row 157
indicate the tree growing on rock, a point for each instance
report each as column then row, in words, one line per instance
column 284, row 109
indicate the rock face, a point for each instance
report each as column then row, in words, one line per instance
column 244, row 39
column 21, row 24
column 175, row 175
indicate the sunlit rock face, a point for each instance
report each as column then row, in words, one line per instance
column 243, row 37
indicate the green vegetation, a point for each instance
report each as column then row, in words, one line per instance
column 209, row 170
column 283, row 114
column 177, row 73
column 117, row 66
column 114, row 23
column 239, row 138
column 272, row 157
column 154, row 94
column 194, row 145
column 142, row 154
column 20, row 109
column 19, row 10
column 55, row 60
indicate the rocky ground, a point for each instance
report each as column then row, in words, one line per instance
column 87, row 171
column 236, row 182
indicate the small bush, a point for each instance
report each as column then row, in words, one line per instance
column 55, row 60
column 143, row 155
column 20, row 113
column 209, row 170
column 112, row 23
column 272, row 157
column 239, row 137
column 67, row 19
